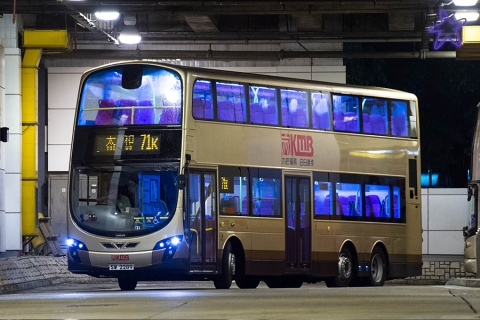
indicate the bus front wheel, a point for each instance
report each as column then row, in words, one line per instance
column 344, row 271
column 224, row 280
column 378, row 268
column 127, row 284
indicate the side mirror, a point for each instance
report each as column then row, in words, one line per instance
column 182, row 181
column 472, row 191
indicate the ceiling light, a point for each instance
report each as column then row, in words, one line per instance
column 107, row 15
column 129, row 34
column 465, row 3
column 467, row 15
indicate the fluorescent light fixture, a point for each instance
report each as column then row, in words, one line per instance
column 465, row 3
column 467, row 15
column 107, row 15
column 129, row 35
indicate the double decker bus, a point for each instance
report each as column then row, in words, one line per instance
column 470, row 232
column 184, row 173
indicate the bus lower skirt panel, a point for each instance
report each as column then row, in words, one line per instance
column 175, row 269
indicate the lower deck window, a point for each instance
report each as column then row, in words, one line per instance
column 323, row 199
column 235, row 202
column 349, row 199
column 377, row 201
column 266, row 197
column 358, row 197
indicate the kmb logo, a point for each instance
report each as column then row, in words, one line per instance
column 123, row 257
column 298, row 145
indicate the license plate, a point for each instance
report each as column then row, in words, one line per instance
column 120, row 267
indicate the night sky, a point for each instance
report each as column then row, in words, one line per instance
column 448, row 92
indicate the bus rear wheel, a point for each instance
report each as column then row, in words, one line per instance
column 284, row 282
column 246, row 282
column 224, row 280
column 345, row 270
column 378, row 268
column 127, row 284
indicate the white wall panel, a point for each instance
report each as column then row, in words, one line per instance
column 425, row 209
column 13, row 158
column 3, row 235
column 58, row 157
column 13, row 64
column 63, row 90
column 447, row 211
column 63, row 86
column 447, row 208
column 445, row 242
column 12, row 192
column 425, row 242
column 60, row 126
column 444, row 214
column 2, row 66
column 13, row 109
column 14, row 231
column 2, row 190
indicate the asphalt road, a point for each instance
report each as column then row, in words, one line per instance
column 200, row 300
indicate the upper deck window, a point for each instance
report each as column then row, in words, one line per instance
column 321, row 110
column 225, row 101
column 202, row 100
column 231, row 102
column 375, row 117
column 263, row 105
column 345, row 113
column 131, row 95
column 399, row 118
column 294, row 108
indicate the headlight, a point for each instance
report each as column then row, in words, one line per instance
column 74, row 246
column 168, row 243
column 170, row 246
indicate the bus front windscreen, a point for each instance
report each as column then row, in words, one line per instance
column 125, row 200
column 131, row 94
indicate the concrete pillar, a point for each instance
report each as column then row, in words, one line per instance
column 11, row 152
column 3, row 237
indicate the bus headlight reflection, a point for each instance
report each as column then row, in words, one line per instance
column 74, row 246
column 170, row 245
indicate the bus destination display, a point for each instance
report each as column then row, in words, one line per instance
column 137, row 143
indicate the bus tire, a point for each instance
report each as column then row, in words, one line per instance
column 224, row 280
column 127, row 284
column 274, row 283
column 345, row 270
column 284, row 282
column 378, row 268
column 247, row 282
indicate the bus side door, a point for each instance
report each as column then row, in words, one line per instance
column 203, row 220
column 298, row 225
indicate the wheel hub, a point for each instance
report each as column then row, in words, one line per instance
column 344, row 267
column 377, row 268
column 231, row 259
